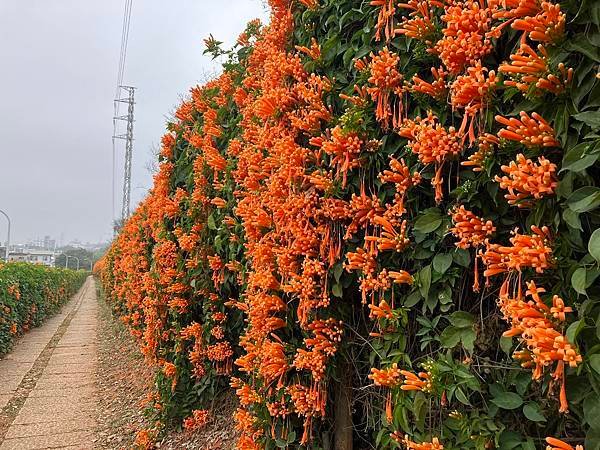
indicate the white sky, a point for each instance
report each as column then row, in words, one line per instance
column 57, row 82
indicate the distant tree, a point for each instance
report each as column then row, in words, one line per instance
column 86, row 258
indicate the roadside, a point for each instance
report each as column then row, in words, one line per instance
column 124, row 381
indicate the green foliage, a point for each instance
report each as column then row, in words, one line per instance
column 29, row 294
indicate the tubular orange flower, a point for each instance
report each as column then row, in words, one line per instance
column 557, row 444
column 485, row 148
column 401, row 277
column 517, row 8
column 390, row 377
column 418, row 24
column 313, row 52
column 197, row 420
column 472, row 93
column 437, row 89
column 381, row 311
column 433, row 144
column 416, row 382
column 526, row 179
column 344, row 148
column 526, row 251
column 530, row 72
column 546, row 26
column 433, row 445
column 531, row 131
column 465, row 40
column 385, row 19
column 531, row 322
column 386, row 80
column 389, row 238
column 469, row 228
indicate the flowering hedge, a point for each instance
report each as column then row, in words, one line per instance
column 30, row 293
column 378, row 226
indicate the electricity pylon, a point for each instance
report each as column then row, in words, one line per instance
column 128, row 136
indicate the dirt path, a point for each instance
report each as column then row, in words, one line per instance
column 47, row 384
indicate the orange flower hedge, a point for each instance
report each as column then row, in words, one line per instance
column 378, row 226
column 29, row 294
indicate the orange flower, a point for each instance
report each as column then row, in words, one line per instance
column 385, row 18
column 469, row 228
column 390, row 377
column 219, row 202
column 389, row 238
column 401, row 277
column 416, row 382
column 526, row 179
column 310, row 4
column 197, row 420
column 386, row 80
column 344, row 148
column 433, row 144
column 529, row 71
column 531, row 322
column 531, row 131
column 437, row 89
column 419, row 24
column 410, row 445
column 313, row 52
column 381, row 311
column 557, row 444
column 546, row 26
column 465, row 40
column 472, row 93
column 485, row 148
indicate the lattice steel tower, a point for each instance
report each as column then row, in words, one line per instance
column 128, row 136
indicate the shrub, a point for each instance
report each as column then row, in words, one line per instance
column 30, row 293
column 378, row 224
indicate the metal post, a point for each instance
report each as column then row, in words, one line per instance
column 7, row 235
column 77, row 261
column 128, row 136
column 66, row 261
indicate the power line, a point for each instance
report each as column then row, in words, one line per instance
column 117, row 117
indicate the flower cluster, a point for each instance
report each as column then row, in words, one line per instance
column 290, row 245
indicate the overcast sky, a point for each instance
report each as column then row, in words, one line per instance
column 59, row 67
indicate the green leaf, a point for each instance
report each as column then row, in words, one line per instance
column 462, row 319
column 441, row 262
column 450, row 337
column 461, row 397
column 572, row 219
column 578, row 280
column 591, row 410
column 336, row 290
column 594, row 363
column 425, row 280
column 578, row 159
column 533, row 412
column 591, row 118
column 462, row 257
column 574, row 330
column 508, row 400
column 584, row 199
column 593, row 245
column 506, row 344
column 467, row 337
column 211, row 223
column 428, row 223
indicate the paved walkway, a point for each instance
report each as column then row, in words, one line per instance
column 47, row 381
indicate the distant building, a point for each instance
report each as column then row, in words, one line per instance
column 33, row 256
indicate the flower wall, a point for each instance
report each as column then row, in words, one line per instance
column 29, row 294
column 378, row 226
